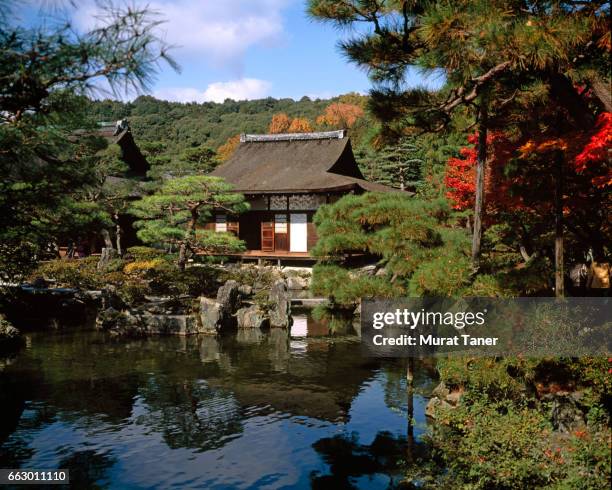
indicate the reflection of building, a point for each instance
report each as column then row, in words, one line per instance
column 318, row 378
column 285, row 178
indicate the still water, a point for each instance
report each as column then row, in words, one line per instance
column 277, row 409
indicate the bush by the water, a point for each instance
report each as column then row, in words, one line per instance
column 142, row 272
column 505, row 432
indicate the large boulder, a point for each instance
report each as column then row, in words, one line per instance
column 251, row 317
column 211, row 315
column 228, row 296
column 110, row 298
column 280, row 311
column 298, row 283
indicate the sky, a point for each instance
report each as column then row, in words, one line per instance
column 240, row 49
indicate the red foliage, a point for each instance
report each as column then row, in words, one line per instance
column 596, row 152
column 586, row 155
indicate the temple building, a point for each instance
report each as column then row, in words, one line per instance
column 285, row 178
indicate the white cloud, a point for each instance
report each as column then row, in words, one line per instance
column 217, row 31
column 242, row 89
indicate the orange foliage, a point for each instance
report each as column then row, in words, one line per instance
column 340, row 115
column 227, row 149
column 280, row 123
column 300, row 125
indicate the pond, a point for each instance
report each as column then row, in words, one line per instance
column 276, row 409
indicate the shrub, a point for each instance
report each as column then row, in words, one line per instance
column 446, row 275
column 501, row 435
column 133, row 292
column 142, row 266
column 76, row 273
column 144, row 253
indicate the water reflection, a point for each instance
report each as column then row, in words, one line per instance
column 254, row 410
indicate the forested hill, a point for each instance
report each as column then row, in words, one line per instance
column 187, row 125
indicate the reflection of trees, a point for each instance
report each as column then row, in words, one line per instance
column 189, row 413
column 349, row 460
column 88, row 469
column 396, row 383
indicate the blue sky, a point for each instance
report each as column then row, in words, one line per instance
column 244, row 49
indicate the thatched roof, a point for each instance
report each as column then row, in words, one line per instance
column 119, row 133
column 296, row 162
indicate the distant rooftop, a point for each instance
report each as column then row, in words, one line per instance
column 321, row 135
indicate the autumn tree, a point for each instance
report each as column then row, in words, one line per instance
column 227, row 149
column 340, row 115
column 171, row 216
column 280, row 123
column 300, row 125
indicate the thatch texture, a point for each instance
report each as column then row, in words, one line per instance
column 295, row 163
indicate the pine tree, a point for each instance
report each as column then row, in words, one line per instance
column 173, row 215
column 400, row 165
column 43, row 166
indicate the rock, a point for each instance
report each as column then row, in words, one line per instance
column 228, row 297
column 440, row 391
column 251, row 317
column 245, row 290
column 295, row 282
column 381, row 272
column 93, row 296
column 169, row 324
column 367, row 270
column 566, row 413
column 454, row 397
column 280, row 313
column 434, row 405
column 110, row 299
column 107, row 318
column 211, row 315
column 10, row 337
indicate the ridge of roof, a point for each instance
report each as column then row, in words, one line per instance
column 320, row 135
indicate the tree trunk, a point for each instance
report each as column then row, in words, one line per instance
column 182, row 259
column 118, row 232
column 480, row 171
column 602, row 92
column 108, row 243
column 559, row 279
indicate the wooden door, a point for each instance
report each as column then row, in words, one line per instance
column 281, row 239
column 267, row 236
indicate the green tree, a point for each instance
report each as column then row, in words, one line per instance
column 172, row 215
column 400, row 165
column 410, row 239
column 42, row 164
